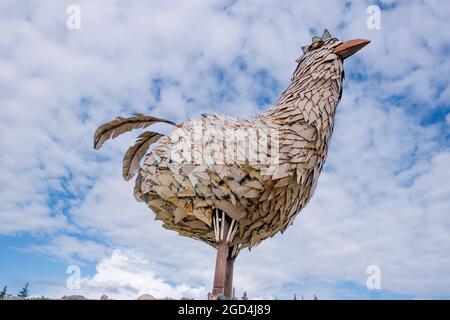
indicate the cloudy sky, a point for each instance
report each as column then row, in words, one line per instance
column 383, row 198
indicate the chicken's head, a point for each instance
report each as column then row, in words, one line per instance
column 328, row 44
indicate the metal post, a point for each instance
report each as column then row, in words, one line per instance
column 228, row 292
column 221, row 259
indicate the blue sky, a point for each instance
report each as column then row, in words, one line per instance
column 383, row 198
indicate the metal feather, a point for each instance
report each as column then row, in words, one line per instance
column 120, row 125
column 326, row 35
column 135, row 153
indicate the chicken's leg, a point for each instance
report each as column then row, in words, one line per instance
column 222, row 225
column 228, row 291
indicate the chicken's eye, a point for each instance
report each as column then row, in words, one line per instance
column 315, row 45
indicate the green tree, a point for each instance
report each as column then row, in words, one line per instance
column 3, row 293
column 24, row 292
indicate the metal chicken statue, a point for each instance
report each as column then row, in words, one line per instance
column 232, row 182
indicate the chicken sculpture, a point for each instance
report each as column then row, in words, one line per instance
column 234, row 182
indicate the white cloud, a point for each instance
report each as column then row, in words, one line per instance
column 127, row 275
column 69, row 249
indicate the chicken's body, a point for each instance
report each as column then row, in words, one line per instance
column 185, row 194
column 234, row 182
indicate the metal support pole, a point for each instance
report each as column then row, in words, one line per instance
column 221, row 259
column 228, row 292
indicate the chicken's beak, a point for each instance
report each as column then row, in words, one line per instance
column 346, row 49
